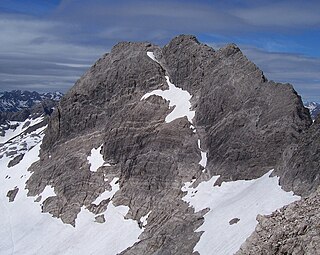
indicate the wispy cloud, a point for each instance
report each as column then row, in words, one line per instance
column 32, row 54
column 50, row 48
column 281, row 14
column 301, row 71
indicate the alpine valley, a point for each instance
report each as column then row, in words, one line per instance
column 161, row 151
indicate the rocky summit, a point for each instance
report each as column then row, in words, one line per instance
column 172, row 150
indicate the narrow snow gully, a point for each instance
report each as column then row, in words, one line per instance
column 180, row 100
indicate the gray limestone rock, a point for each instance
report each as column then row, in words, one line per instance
column 100, row 219
column 234, row 221
column 247, row 121
column 12, row 194
column 300, row 168
column 244, row 122
column 16, row 160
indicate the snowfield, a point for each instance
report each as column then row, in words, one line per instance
column 25, row 230
column 242, row 200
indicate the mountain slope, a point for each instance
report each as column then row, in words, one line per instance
column 145, row 135
column 16, row 100
column 314, row 109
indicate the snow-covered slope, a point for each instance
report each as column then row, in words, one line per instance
column 25, row 230
column 234, row 207
column 40, row 233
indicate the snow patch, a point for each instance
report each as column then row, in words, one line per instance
column 238, row 199
column 95, row 159
column 151, row 55
column 144, row 219
column 108, row 194
column 47, row 192
column 178, row 98
column 22, row 221
column 203, row 161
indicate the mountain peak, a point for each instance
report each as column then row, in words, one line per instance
column 230, row 49
column 166, row 145
column 185, row 38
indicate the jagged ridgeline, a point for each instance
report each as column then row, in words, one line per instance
column 171, row 150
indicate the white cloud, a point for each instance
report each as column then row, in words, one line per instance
column 281, row 14
column 70, row 38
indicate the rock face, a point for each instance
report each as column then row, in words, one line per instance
column 243, row 121
column 295, row 229
column 243, row 116
column 299, row 169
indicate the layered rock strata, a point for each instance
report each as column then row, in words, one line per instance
column 243, row 121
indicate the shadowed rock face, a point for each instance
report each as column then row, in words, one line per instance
column 301, row 162
column 244, row 122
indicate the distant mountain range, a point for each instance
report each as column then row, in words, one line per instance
column 314, row 108
column 17, row 100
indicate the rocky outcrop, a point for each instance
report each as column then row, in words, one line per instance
column 16, row 160
column 12, row 194
column 300, row 168
column 243, row 121
column 295, row 229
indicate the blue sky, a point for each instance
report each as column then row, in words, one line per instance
column 46, row 45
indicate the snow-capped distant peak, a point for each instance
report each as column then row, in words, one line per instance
column 314, row 108
column 16, row 100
